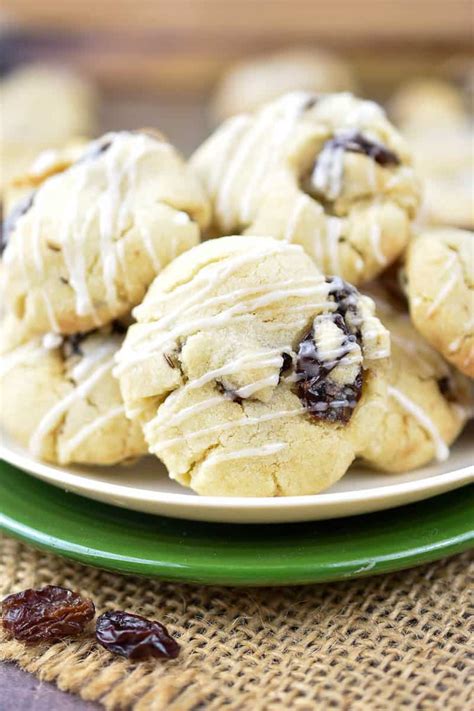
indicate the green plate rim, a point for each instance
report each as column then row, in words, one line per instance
column 228, row 554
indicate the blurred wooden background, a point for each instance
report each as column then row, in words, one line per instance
column 182, row 45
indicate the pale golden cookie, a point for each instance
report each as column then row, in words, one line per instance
column 249, row 84
column 427, row 102
column 433, row 117
column 440, row 290
column 83, row 247
column 59, row 398
column 42, row 107
column 329, row 173
column 428, row 400
column 251, row 373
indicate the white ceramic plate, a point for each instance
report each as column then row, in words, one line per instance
column 146, row 487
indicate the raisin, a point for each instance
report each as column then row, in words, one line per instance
column 46, row 615
column 323, row 397
column 134, row 636
column 287, row 362
column 72, row 344
column 228, row 393
column 355, row 142
column 447, row 388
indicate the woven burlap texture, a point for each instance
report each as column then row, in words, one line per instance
column 400, row 641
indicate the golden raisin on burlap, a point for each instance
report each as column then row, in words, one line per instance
column 399, row 641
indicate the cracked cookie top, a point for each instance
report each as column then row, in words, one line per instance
column 328, row 172
column 428, row 399
column 439, row 267
column 244, row 351
column 84, row 247
column 75, row 412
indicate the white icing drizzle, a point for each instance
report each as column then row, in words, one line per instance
column 46, row 160
column 253, row 361
column 248, row 390
column 111, row 210
column 283, row 126
column 51, row 341
column 181, row 218
column 53, row 416
column 91, row 358
column 446, row 286
column 23, row 355
column 79, row 374
column 264, row 450
column 264, row 138
column 50, row 311
column 187, row 412
column 442, row 295
column 328, row 171
column 249, row 143
column 231, row 133
column 148, row 242
column 237, row 312
column 200, row 287
column 73, row 229
column 441, row 450
column 96, row 424
column 294, row 217
column 243, row 422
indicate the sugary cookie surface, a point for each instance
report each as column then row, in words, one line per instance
column 251, row 373
column 434, row 117
column 81, row 249
column 328, row 172
column 428, row 400
column 60, row 400
column 440, row 291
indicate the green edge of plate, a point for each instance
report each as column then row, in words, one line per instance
column 227, row 554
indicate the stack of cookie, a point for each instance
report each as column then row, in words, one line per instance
column 255, row 365
column 79, row 252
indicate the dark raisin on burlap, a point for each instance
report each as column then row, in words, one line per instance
column 400, row 641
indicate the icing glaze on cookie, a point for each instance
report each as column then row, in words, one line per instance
column 441, row 449
column 285, row 171
column 101, row 199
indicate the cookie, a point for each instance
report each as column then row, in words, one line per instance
column 440, row 290
column 428, row 400
column 83, row 247
column 329, row 173
column 60, row 400
column 29, row 124
column 433, row 118
column 247, row 85
column 421, row 103
column 250, row 372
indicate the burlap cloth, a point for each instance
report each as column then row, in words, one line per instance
column 399, row 641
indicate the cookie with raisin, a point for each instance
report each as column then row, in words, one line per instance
column 252, row 373
column 327, row 172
